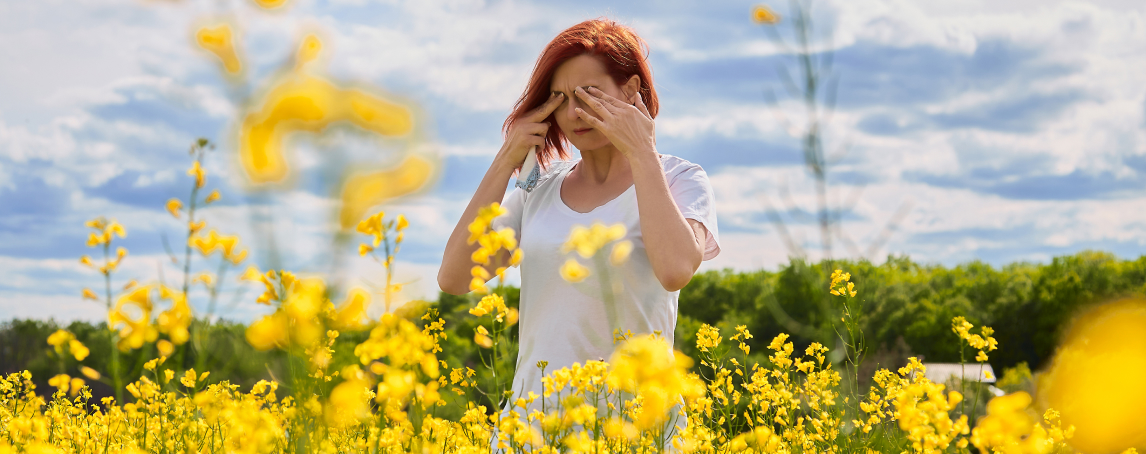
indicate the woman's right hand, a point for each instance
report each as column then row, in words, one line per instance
column 528, row 132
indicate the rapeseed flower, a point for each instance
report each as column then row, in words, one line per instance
column 762, row 14
column 219, row 40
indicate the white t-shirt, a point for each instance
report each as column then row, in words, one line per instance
column 565, row 323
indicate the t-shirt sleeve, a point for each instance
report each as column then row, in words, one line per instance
column 514, row 204
column 693, row 195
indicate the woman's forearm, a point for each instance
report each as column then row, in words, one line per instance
column 454, row 275
column 673, row 249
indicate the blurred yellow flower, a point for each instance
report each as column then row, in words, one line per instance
column 269, row 332
column 587, row 240
column 483, row 340
column 270, row 4
column 165, row 347
column 59, row 338
column 308, row 50
column 133, row 332
column 302, row 102
column 78, row 349
column 197, row 172
column 175, row 321
column 364, row 190
column 621, row 252
column 352, row 311
column 573, row 271
column 173, row 207
column 89, row 372
column 761, row 14
column 219, row 40
column 89, row 294
column 1095, row 377
column 213, row 196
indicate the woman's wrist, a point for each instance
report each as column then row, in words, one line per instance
column 644, row 160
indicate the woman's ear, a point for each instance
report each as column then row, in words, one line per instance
column 631, row 88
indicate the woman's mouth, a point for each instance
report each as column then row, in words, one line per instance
column 582, row 131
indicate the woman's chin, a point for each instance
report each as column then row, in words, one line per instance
column 590, row 146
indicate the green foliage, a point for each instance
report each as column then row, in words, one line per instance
column 1027, row 304
column 904, row 303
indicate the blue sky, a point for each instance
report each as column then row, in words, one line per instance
column 1010, row 130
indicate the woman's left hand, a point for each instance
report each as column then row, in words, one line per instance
column 628, row 126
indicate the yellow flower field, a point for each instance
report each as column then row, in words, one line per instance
column 394, row 392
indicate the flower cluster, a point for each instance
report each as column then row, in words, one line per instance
column 62, row 337
column 1008, row 428
column 491, row 242
column 841, row 284
column 587, row 241
column 982, row 342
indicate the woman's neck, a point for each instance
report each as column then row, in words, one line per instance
column 603, row 165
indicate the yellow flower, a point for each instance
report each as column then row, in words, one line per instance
column 173, row 207
column 78, row 349
column 61, row 382
column 302, row 102
column 270, row 4
column 59, row 338
column 364, row 249
column 134, row 331
column 206, row 278
column 402, row 223
column 219, row 41
column 269, row 332
column 89, row 294
column 761, row 14
column 483, row 340
column 165, row 347
column 89, row 372
column 573, row 271
column 308, row 50
column 587, row 240
column 197, row 172
column 85, row 260
column 189, row 378
column 621, row 252
column 352, row 311
column 213, row 196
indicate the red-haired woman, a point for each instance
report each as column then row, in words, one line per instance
column 592, row 87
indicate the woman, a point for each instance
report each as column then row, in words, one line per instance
column 592, row 87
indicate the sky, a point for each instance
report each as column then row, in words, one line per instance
column 962, row 130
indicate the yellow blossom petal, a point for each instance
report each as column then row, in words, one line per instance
column 173, row 207
column 573, row 271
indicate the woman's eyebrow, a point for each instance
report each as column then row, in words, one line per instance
column 582, row 86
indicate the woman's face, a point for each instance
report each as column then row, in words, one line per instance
column 585, row 71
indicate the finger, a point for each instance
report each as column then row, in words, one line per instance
column 593, row 103
column 607, row 97
column 542, row 112
column 593, row 121
column 536, row 129
column 641, row 105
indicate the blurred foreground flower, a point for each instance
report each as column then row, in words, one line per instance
column 1096, row 377
column 303, row 102
column 219, row 40
column 762, row 14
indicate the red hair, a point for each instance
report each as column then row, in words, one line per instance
column 623, row 52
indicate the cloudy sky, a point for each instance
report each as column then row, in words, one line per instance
column 995, row 131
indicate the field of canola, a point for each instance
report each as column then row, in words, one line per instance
column 389, row 397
